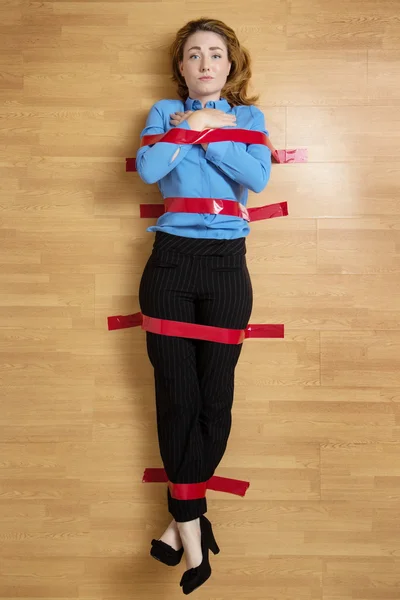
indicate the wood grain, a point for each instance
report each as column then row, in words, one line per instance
column 316, row 417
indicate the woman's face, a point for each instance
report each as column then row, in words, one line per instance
column 205, row 53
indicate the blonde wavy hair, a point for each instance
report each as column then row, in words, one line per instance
column 235, row 89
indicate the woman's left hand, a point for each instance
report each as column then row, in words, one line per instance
column 176, row 118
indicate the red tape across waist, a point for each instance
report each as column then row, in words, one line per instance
column 192, row 491
column 214, row 206
column 194, row 330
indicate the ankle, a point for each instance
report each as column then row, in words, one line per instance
column 189, row 528
column 174, row 524
column 171, row 536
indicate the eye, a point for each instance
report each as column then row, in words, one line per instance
column 219, row 56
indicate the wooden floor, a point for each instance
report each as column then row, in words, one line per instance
column 316, row 419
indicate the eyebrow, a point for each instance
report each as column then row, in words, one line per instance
column 211, row 48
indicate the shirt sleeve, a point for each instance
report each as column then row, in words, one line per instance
column 249, row 165
column 155, row 162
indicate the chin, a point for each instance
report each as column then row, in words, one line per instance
column 208, row 89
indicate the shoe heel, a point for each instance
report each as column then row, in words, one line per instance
column 213, row 544
column 211, row 541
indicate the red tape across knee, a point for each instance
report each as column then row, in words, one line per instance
column 192, row 491
column 194, row 330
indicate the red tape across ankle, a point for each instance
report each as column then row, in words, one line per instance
column 246, row 136
column 192, row 491
column 194, row 330
column 214, row 206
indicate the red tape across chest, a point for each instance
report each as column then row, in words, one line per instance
column 246, row 136
column 190, row 136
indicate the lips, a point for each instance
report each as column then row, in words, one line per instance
column 206, row 78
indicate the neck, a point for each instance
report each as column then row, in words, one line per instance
column 205, row 99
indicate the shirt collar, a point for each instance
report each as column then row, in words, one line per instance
column 221, row 104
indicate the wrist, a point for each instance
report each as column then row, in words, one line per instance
column 196, row 121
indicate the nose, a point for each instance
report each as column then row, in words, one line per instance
column 204, row 65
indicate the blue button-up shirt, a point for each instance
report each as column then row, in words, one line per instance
column 227, row 170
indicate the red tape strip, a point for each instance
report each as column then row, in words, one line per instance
column 130, row 165
column 269, row 211
column 194, row 330
column 246, row 136
column 187, row 491
column 216, row 483
column 299, row 155
column 214, row 206
column 189, row 136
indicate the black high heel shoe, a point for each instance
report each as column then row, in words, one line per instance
column 165, row 553
column 194, row 578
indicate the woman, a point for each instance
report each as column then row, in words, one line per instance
column 197, row 273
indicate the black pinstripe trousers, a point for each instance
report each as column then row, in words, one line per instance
column 203, row 281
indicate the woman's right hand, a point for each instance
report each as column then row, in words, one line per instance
column 211, row 118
